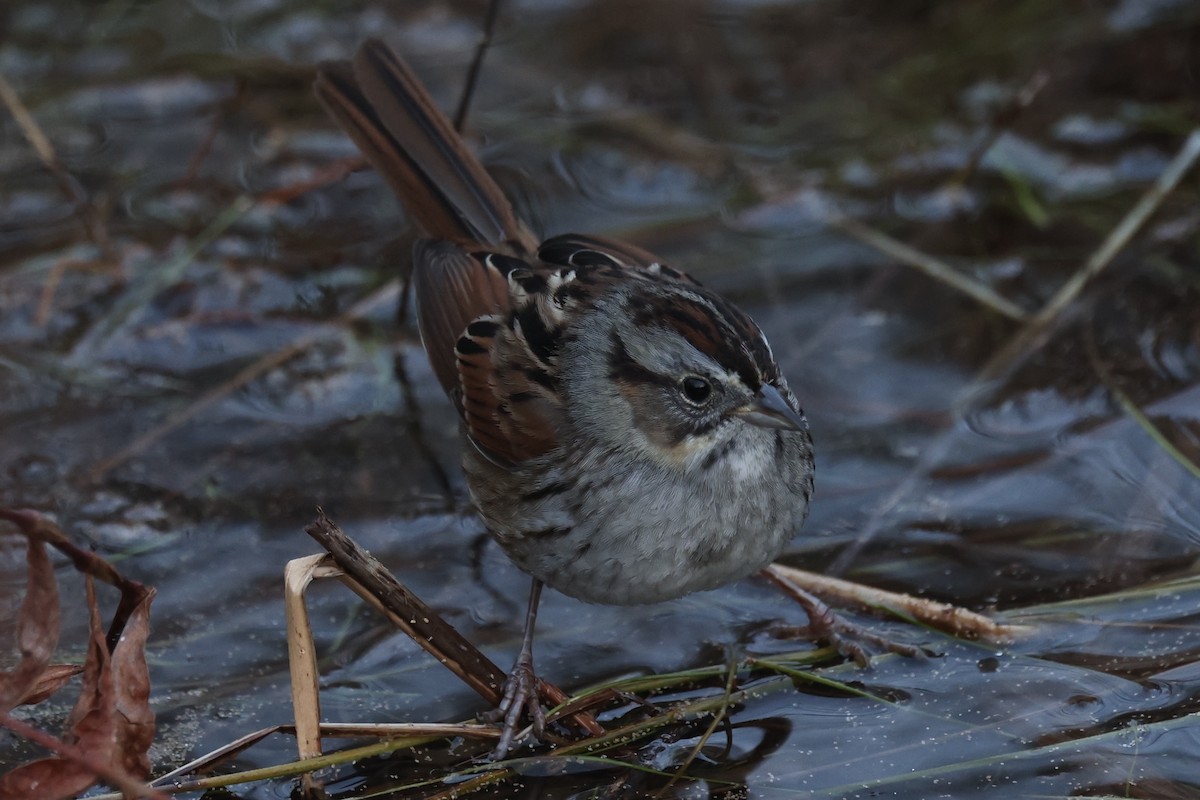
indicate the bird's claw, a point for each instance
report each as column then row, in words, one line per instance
column 848, row 638
column 521, row 696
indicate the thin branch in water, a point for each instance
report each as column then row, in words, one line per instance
column 1001, row 121
column 405, row 294
column 1131, row 409
column 210, row 136
column 66, row 182
column 485, row 41
column 412, row 411
column 153, row 281
column 218, row 393
column 302, row 658
column 934, row 268
column 1037, row 331
column 1028, row 340
column 46, row 299
column 329, row 174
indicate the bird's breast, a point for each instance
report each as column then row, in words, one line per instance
column 611, row 529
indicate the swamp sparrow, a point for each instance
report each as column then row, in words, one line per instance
column 628, row 435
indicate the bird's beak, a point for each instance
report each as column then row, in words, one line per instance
column 770, row 410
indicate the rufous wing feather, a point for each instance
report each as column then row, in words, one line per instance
column 510, row 416
column 452, row 289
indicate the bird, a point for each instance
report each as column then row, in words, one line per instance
column 628, row 435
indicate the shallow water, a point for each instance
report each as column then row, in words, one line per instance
column 1063, row 493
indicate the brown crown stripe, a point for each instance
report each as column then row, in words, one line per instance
column 709, row 328
column 750, row 335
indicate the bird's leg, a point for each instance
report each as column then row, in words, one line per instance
column 521, row 689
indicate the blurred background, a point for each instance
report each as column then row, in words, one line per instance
column 200, row 343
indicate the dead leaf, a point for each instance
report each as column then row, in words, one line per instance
column 50, row 681
column 131, row 682
column 111, row 727
column 45, row 779
column 37, row 628
column 91, row 723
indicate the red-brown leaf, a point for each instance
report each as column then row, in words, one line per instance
column 92, row 728
column 131, row 682
column 92, row 722
column 45, row 779
column 50, row 681
column 37, row 628
column 111, row 726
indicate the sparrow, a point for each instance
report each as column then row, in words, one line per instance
column 628, row 436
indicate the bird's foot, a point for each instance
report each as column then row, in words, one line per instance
column 521, row 696
column 848, row 638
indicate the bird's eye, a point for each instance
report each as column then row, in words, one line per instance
column 696, row 389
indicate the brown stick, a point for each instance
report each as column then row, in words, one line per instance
column 67, row 183
column 376, row 585
column 409, row 612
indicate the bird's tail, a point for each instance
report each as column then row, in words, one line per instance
column 384, row 108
